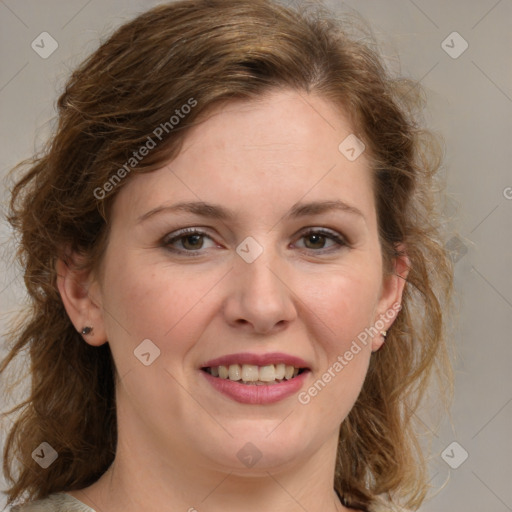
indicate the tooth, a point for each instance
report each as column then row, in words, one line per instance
column 235, row 372
column 257, row 375
column 223, row 372
column 288, row 373
column 280, row 370
column 267, row 373
column 250, row 373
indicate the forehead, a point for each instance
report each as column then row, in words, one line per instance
column 261, row 155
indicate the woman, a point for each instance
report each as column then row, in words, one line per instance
column 236, row 276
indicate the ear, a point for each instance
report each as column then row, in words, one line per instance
column 80, row 294
column 391, row 296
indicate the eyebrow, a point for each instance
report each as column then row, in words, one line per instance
column 213, row 211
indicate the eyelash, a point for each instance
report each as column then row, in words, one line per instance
column 186, row 232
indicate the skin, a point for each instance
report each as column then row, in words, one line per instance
column 304, row 296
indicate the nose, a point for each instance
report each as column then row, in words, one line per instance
column 259, row 299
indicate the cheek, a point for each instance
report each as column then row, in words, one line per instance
column 345, row 308
column 147, row 301
column 344, row 304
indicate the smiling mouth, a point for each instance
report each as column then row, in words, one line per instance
column 255, row 375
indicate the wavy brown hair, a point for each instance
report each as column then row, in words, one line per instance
column 215, row 51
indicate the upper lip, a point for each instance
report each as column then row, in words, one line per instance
column 257, row 360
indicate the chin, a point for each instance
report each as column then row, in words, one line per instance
column 255, row 448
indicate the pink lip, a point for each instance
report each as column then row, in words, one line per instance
column 257, row 359
column 257, row 395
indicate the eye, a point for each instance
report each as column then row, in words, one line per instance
column 191, row 241
column 186, row 240
column 316, row 240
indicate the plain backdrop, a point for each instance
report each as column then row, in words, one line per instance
column 469, row 103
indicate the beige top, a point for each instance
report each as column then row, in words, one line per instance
column 62, row 502
column 56, row 502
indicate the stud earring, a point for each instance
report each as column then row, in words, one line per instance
column 384, row 334
column 86, row 330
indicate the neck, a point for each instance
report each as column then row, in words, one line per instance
column 137, row 481
column 158, row 472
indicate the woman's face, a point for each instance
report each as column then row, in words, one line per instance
column 272, row 259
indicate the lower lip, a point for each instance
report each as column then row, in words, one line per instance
column 258, row 395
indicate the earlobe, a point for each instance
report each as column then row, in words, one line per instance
column 391, row 298
column 81, row 301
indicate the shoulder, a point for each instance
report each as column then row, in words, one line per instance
column 57, row 502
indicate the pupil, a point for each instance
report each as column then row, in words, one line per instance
column 193, row 239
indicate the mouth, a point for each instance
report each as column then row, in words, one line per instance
column 256, row 379
column 253, row 375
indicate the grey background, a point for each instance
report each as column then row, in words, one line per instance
column 469, row 103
